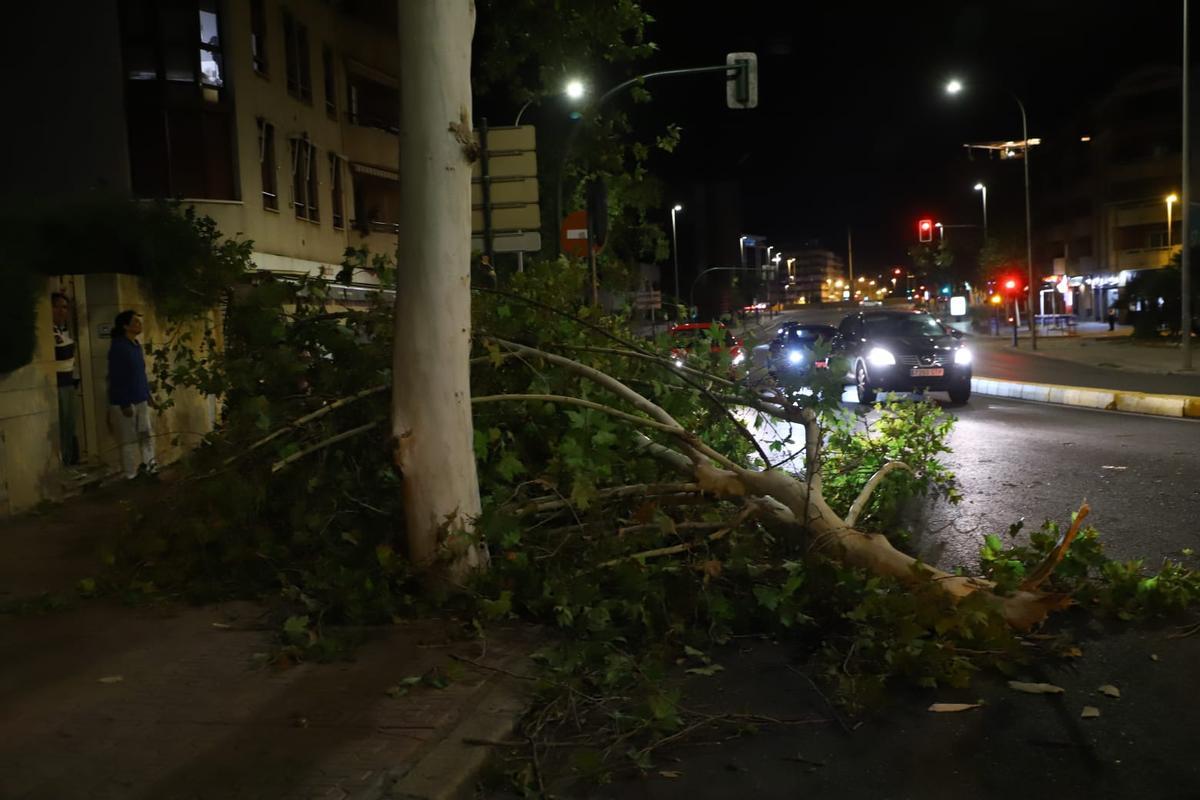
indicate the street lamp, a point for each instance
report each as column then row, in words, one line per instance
column 742, row 250
column 1172, row 199
column 979, row 187
column 955, row 87
column 675, row 246
column 941, row 231
column 574, row 90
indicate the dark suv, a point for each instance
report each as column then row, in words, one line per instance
column 903, row 351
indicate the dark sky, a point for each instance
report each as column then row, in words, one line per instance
column 853, row 127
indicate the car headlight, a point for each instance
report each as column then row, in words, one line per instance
column 795, row 357
column 739, row 358
column 880, row 357
column 962, row 356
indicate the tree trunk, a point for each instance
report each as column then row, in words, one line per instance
column 431, row 398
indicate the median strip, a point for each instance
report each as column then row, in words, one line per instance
column 1163, row 405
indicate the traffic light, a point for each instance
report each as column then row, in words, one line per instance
column 925, row 230
column 1011, row 285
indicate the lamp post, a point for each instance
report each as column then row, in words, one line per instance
column 954, row 87
column 1185, row 276
column 980, row 187
column 941, row 231
column 1171, row 200
column 742, row 250
column 675, row 245
column 574, row 90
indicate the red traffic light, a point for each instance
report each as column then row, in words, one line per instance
column 925, row 230
column 1010, row 284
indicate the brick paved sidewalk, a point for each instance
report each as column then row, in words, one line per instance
column 105, row 701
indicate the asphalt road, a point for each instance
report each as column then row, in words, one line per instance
column 1014, row 460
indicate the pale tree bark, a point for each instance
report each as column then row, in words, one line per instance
column 431, row 399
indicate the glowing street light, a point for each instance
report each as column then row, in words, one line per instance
column 980, row 187
column 575, row 89
column 954, row 86
column 1172, row 199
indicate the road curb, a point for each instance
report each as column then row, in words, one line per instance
column 448, row 770
column 1162, row 405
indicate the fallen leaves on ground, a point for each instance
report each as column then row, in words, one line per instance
column 1035, row 688
column 669, row 773
column 950, row 708
column 112, row 679
column 1110, row 690
column 1090, row 712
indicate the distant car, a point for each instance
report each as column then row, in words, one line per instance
column 792, row 349
column 685, row 337
column 869, row 303
column 903, row 351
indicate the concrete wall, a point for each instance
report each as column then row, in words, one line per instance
column 29, row 450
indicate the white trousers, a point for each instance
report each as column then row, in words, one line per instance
column 134, row 435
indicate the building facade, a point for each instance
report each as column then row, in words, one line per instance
column 1105, row 194
column 277, row 119
column 816, row 275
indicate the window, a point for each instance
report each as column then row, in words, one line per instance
column 258, row 36
column 335, row 183
column 266, row 158
column 304, row 179
column 295, row 50
column 373, row 104
column 330, row 85
column 212, row 72
column 177, row 109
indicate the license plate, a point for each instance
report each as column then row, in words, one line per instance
column 928, row 372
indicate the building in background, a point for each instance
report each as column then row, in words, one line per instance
column 816, row 275
column 1104, row 186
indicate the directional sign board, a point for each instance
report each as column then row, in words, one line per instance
column 512, row 189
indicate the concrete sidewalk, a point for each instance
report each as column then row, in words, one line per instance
column 108, row 701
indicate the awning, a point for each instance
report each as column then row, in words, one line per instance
column 367, row 169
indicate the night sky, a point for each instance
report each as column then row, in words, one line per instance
column 853, row 127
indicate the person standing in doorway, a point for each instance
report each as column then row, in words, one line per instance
column 1112, row 318
column 129, row 394
column 68, row 382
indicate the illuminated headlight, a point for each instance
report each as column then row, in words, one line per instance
column 795, row 357
column 962, row 356
column 679, row 362
column 880, row 357
column 739, row 358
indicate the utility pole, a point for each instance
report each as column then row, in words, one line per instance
column 1185, row 278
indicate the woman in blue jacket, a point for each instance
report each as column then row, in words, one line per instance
column 129, row 394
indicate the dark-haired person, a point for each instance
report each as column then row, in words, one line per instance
column 129, row 394
column 68, row 382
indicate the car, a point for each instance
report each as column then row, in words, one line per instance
column 903, row 351
column 685, row 337
column 869, row 303
column 792, row 349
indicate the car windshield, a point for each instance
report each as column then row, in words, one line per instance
column 912, row 325
column 807, row 335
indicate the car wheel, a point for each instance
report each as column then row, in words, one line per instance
column 866, row 394
column 959, row 395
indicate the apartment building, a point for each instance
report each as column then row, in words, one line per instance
column 277, row 118
column 1109, row 207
